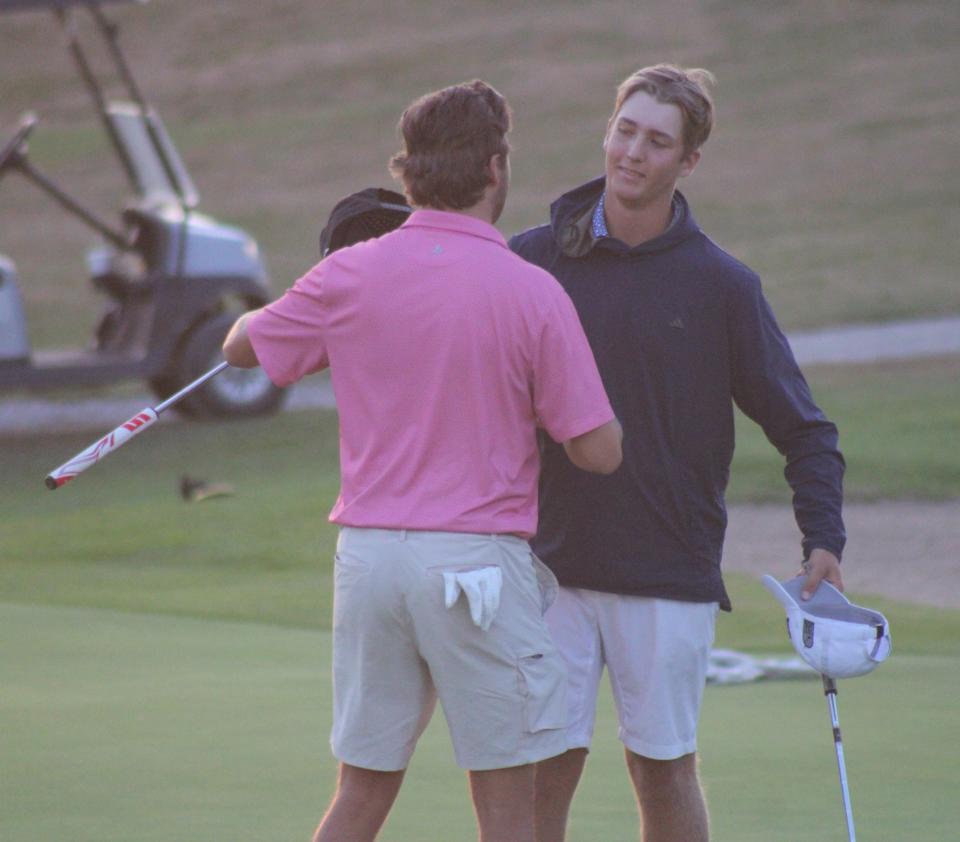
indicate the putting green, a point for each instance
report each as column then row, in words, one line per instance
column 128, row 726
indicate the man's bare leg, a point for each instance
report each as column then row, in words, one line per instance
column 503, row 800
column 672, row 806
column 360, row 805
column 555, row 782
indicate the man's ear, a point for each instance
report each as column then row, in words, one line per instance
column 496, row 167
column 689, row 163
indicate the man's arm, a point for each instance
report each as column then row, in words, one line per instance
column 770, row 389
column 599, row 451
column 237, row 347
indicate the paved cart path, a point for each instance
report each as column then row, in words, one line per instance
column 875, row 343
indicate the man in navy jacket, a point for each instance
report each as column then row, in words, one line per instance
column 681, row 331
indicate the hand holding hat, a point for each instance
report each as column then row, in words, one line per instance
column 821, row 565
column 837, row 638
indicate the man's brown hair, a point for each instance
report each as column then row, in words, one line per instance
column 688, row 89
column 449, row 137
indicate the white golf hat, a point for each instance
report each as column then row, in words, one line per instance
column 837, row 638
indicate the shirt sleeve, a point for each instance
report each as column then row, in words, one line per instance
column 771, row 390
column 568, row 394
column 288, row 335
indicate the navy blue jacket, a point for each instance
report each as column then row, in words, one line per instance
column 681, row 331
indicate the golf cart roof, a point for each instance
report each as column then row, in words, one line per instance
column 53, row 5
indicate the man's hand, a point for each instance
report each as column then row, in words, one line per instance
column 821, row 565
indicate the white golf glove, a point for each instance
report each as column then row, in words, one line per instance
column 482, row 588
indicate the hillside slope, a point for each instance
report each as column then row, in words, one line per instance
column 830, row 170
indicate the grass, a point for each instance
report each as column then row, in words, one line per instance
column 134, row 543
column 166, row 671
column 834, row 186
column 897, row 423
column 124, row 726
column 120, row 536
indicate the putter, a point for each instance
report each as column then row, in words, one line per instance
column 830, row 691
column 122, row 434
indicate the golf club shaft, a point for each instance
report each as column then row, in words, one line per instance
column 830, row 691
column 122, row 434
column 196, row 384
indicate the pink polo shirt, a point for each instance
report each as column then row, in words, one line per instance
column 446, row 352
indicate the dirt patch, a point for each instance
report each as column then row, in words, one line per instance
column 904, row 550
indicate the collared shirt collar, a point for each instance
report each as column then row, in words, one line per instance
column 453, row 221
column 599, row 227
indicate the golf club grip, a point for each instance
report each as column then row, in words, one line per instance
column 99, row 449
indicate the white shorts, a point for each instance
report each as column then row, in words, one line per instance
column 656, row 652
column 397, row 648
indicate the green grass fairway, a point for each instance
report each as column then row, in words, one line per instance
column 122, row 726
column 165, row 666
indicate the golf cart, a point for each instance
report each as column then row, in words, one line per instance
column 173, row 280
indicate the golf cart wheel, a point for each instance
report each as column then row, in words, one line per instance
column 235, row 392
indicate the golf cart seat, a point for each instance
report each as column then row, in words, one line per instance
column 162, row 183
column 159, row 172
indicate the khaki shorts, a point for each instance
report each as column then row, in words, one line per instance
column 397, row 649
column 656, row 652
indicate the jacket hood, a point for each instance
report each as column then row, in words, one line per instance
column 571, row 220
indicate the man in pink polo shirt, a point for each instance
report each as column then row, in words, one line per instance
column 446, row 353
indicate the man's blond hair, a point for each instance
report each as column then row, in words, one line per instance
column 687, row 88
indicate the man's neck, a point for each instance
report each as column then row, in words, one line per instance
column 481, row 211
column 637, row 225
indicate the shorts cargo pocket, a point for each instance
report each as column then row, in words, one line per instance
column 543, row 684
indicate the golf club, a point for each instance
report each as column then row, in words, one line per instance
column 122, row 434
column 830, row 691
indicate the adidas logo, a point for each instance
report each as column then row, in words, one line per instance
column 677, row 323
